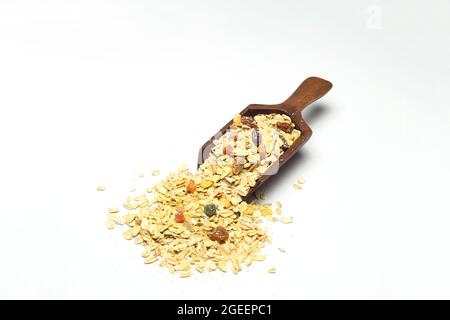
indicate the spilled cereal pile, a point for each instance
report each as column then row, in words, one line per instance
column 200, row 220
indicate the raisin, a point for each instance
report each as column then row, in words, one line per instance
column 234, row 136
column 227, row 150
column 249, row 122
column 210, row 209
column 191, row 186
column 219, row 234
column 179, row 217
column 256, row 137
column 285, row 126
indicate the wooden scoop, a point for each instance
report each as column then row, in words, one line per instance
column 309, row 91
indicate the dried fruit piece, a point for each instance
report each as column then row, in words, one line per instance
column 227, row 150
column 219, row 234
column 285, row 126
column 179, row 217
column 210, row 209
column 249, row 122
column 205, row 184
column 237, row 167
column 191, row 186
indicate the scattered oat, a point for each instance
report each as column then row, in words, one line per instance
column 272, row 270
column 113, row 210
column 101, row 188
column 301, row 180
column 278, row 204
column 155, row 172
column 150, row 260
column 287, row 220
column 133, row 189
column 278, row 210
column 128, row 235
column 185, row 274
column 140, row 175
column 110, row 224
column 281, row 250
column 297, row 186
column 260, row 257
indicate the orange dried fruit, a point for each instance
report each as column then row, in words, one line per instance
column 191, row 186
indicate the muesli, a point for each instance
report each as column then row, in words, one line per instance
column 200, row 220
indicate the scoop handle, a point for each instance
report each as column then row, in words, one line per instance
column 310, row 90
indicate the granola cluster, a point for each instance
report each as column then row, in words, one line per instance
column 200, row 220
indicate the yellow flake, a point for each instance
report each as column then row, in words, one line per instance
column 205, row 184
column 287, row 220
column 110, row 224
column 113, row 210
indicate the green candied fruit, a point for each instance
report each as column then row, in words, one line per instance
column 210, row 209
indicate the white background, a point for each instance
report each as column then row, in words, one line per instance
column 93, row 92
